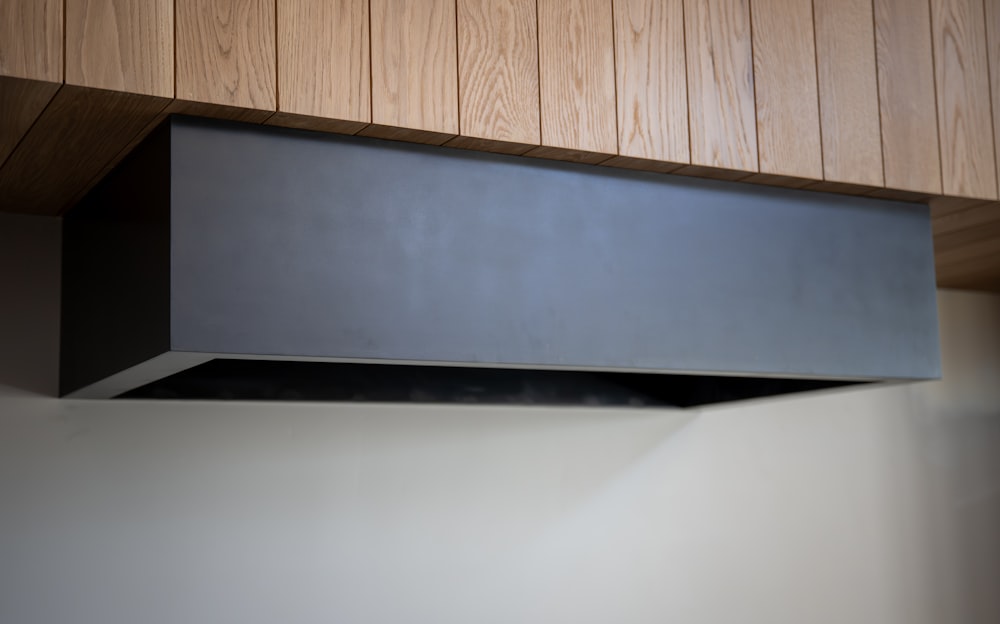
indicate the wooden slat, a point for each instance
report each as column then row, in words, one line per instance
column 21, row 102
column 498, row 75
column 773, row 179
column 720, row 84
column 219, row 111
column 31, row 39
column 784, row 74
column 651, row 78
column 843, row 188
column 642, row 164
column 941, row 206
column 970, row 218
column 324, row 75
column 576, row 70
column 848, row 92
column 910, row 150
column 71, row 144
column 985, row 278
column 122, row 45
column 970, row 255
column 226, row 52
column 968, row 165
column 713, row 173
column 993, row 54
column 414, row 69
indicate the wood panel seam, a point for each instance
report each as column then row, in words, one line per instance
column 937, row 104
column 687, row 79
column 30, row 128
column 614, row 64
column 750, row 11
column 819, row 99
column 990, row 90
column 878, row 92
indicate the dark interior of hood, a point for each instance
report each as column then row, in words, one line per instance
column 276, row 380
column 230, row 261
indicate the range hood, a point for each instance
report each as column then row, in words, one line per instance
column 221, row 260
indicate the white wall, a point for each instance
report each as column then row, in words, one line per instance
column 860, row 506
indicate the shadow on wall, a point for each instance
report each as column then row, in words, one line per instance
column 29, row 326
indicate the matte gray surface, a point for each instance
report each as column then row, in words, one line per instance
column 298, row 244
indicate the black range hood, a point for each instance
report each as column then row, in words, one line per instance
column 228, row 261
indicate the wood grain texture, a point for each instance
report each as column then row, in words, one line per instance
column 21, row 102
column 219, row 111
column 323, row 59
column 498, row 70
column 651, row 78
column 842, row 188
column 122, row 45
column 910, row 150
column 848, row 92
column 993, row 55
column 31, row 39
column 642, row 164
column 577, row 75
column 965, row 118
column 777, row 179
column 414, row 68
column 489, row 145
column 784, row 75
column 586, row 157
column 71, row 145
column 713, row 173
column 319, row 124
column 720, row 84
column 226, row 52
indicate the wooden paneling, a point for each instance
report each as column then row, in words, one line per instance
column 226, row 52
column 31, row 39
column 21, row 102
column 123, row 45
column 993, row 54
column 323, row 63
column 498, row 74
column 968, row 165
column 720, row 84
column 77, row 137
column 414, row 69
column 784, row 66
column 576, row 69
column 910, row 151
column 651, row 78
column 848, row 92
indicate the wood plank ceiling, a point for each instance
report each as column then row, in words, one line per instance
column 890, row 98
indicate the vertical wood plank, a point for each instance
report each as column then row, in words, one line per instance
column 993, row 55
column 910, row 151
column 323, row 64
column 498, row 75
column 576, row 72
column 121, row 45
column 968, row 164
column 784, row 75
column 651, row 78
column 848, row 92
column 31, row 39
column 226, row 53
column 414, row 70
column 720, row 84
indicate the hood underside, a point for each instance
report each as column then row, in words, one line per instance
column 229, row 261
